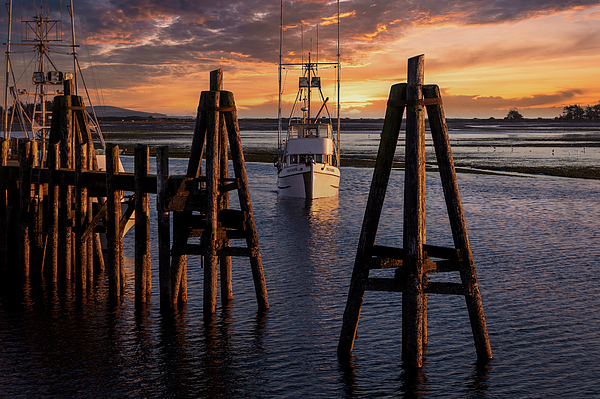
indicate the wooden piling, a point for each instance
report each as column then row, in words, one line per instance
column 91, row 247
column 53, row 212
column 239, row 166
column 62, row 132
column 164, row 224
column 225, row 271
column 26, row 149
column 81, row 203
column 212, row 188
column 142, row 227
column 4, row 145
column 381, row 175
column 413, row 262
column 414, row 210
column 113, row 217
column 441, row 141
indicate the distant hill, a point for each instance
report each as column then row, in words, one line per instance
column 108, row 111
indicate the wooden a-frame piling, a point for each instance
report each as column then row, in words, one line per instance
column 412, row 262
column 200, row 207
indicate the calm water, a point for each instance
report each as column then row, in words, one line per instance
column 535, row 243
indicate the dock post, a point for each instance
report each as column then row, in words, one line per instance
column 26, row 150
column 164, row 225
column 414, row 215
column 212, row 188
column 113, row 217
column 62, row 130
column 53, row 206
column 142, row 227
column 4, row 144
column 225, row 271
column 81, row 202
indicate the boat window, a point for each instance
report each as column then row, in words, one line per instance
column 319, row 158
column 294, row 132
column 294, row 159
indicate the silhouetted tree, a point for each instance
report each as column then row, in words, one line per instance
column 572, row 112
column 513, row 115
column 592, row 112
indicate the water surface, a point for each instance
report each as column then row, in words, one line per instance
column 535, row 243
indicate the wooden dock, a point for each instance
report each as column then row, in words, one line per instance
column 55, row 212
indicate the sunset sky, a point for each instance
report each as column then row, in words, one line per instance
column 488, row 56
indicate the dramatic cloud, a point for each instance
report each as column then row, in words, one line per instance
column 138, row 45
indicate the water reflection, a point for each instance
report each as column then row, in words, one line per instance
column 478, row 381
column 412, row 383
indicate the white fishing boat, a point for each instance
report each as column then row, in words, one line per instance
column 308, row 159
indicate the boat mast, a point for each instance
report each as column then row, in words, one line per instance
column 279, row 134
column 71, row 13
column 308, row 68
column 10, row 8
column 338, row 85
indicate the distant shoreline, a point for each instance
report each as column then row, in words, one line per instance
column 129, row 134
column 349, row 124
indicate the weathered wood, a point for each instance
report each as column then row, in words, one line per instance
column 142, row 227
column 164, row 224
column 381, row 174
column 96, row 180
column 91, row 153
column 62, row 132
column 179, row 258
column 239, row 166
column 4, row 145
column 194, row 167
column 441, row 140
column 53, row 206
column 212, row 187
column 113, row 216
column 414, row 211
column 81, row 202
column 225, row 271
column 36, row 231
column 216, row 80
column 25, row 165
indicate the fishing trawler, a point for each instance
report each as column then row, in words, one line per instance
column 308, row 159
column 47, row 63
column 31, row 85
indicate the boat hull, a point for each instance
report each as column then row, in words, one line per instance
column 308, row 181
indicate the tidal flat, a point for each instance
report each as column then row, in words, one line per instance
column 532, row 146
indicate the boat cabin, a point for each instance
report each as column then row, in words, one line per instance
column 309, row 142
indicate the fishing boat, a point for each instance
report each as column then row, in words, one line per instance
column 47, row 62
column 308, row 158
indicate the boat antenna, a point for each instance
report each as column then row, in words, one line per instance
column 73, row 44
column 302, row 40
column 10, row 9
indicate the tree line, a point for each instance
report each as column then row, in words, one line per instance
column 576, row 112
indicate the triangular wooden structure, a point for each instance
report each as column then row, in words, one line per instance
column 413, row 262
column 201, row 207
